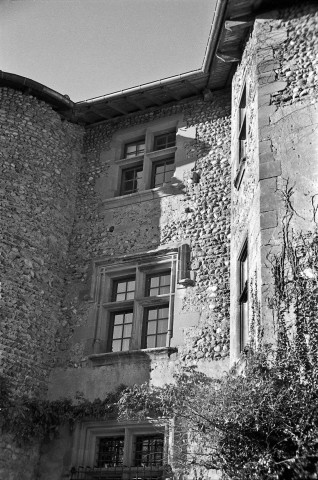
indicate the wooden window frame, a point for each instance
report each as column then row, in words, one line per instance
column 241, row 138
column 107, row 306
column 243, row 296
column 136, row 169
column 167, row 143
column 159, row 163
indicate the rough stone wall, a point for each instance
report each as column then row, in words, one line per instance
column 40, row 158
column 199, row 216
column 280, row 62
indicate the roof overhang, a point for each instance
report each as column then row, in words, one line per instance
column 232, row 22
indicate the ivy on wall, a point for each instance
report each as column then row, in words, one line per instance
column 29, row 419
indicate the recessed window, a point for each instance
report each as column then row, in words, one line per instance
column 162, row 172
column 134, row 149
column 242, row 126
column 137, row 304
column 110, row 452
column 166, row 140
column 156, row 326
column 131, row 179
column 243, row 297
column 121, row 330
column 149, row 451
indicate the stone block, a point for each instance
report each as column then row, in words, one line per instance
column 268, row 198
column 264, row 114
column 272, row 88
column 265, row 146
column 266, row 157
column 268, row 219
column 269, row 169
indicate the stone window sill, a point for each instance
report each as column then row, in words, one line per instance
column 144, row 196
column 130, row 356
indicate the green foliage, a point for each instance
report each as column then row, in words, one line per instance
column 30, row 419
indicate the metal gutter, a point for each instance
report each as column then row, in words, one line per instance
column 208, row 55
column 51, row 96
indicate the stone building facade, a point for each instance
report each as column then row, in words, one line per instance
column 136, row 227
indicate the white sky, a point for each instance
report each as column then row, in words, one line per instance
column 87, row 48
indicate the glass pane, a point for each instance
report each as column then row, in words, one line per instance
column 129, row 174
column 120, row 297
column 163, row 312
column 161, row 340
column 118, row 330
column 165, row 280
column 141, row 148
column 128, row 317
column 168, row 176
column 151, row 342
column 154, row 282
column 125, row 346
column 130, row 295
column 159, row 179
column 127, row 331
column 165, row 290
column 153, row 292
column 160, row 169
column 121, row 287
column 152, row 314
column 129, row 185
column 130, row 149
column 162, row 326
column 116, row 346
column 151, row 328
column 118, row 318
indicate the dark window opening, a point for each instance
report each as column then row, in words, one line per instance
column 156, row 326
column 162, row 172
column 242, row 127
column 165, row 140
column 149, row 451
column 121, row 330
column 130, row 180
column 110, row 452
column 243, row 297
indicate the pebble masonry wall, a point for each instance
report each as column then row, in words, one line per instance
column 40, row 157
column 199, row 216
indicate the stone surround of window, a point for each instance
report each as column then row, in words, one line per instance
column 88, row 435
column 116, row 311
column 111, row 187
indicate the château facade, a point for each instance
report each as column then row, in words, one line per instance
column 136, row 226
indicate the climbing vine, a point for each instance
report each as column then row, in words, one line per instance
column 30, row 418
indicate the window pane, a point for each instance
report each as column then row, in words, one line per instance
column 154, row 282
column 118, row 330
column 128, row 317
column 162, row 326
column 151, row 328
column 152, row 314
column 125, row 346
column 110, row 451
column 159, row 179
column 165, row 290
column 121, row 287
column 168, row 176
column 130, row 295
column 118, row 318
column 116, row 346
column 127, row 331
column 160, row 169
column 149, row 451
column 151, row 342
column 161, row 340
column 163, row 312
column 120, row 297
column 153, row 292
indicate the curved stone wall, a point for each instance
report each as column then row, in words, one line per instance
column 40, row 157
